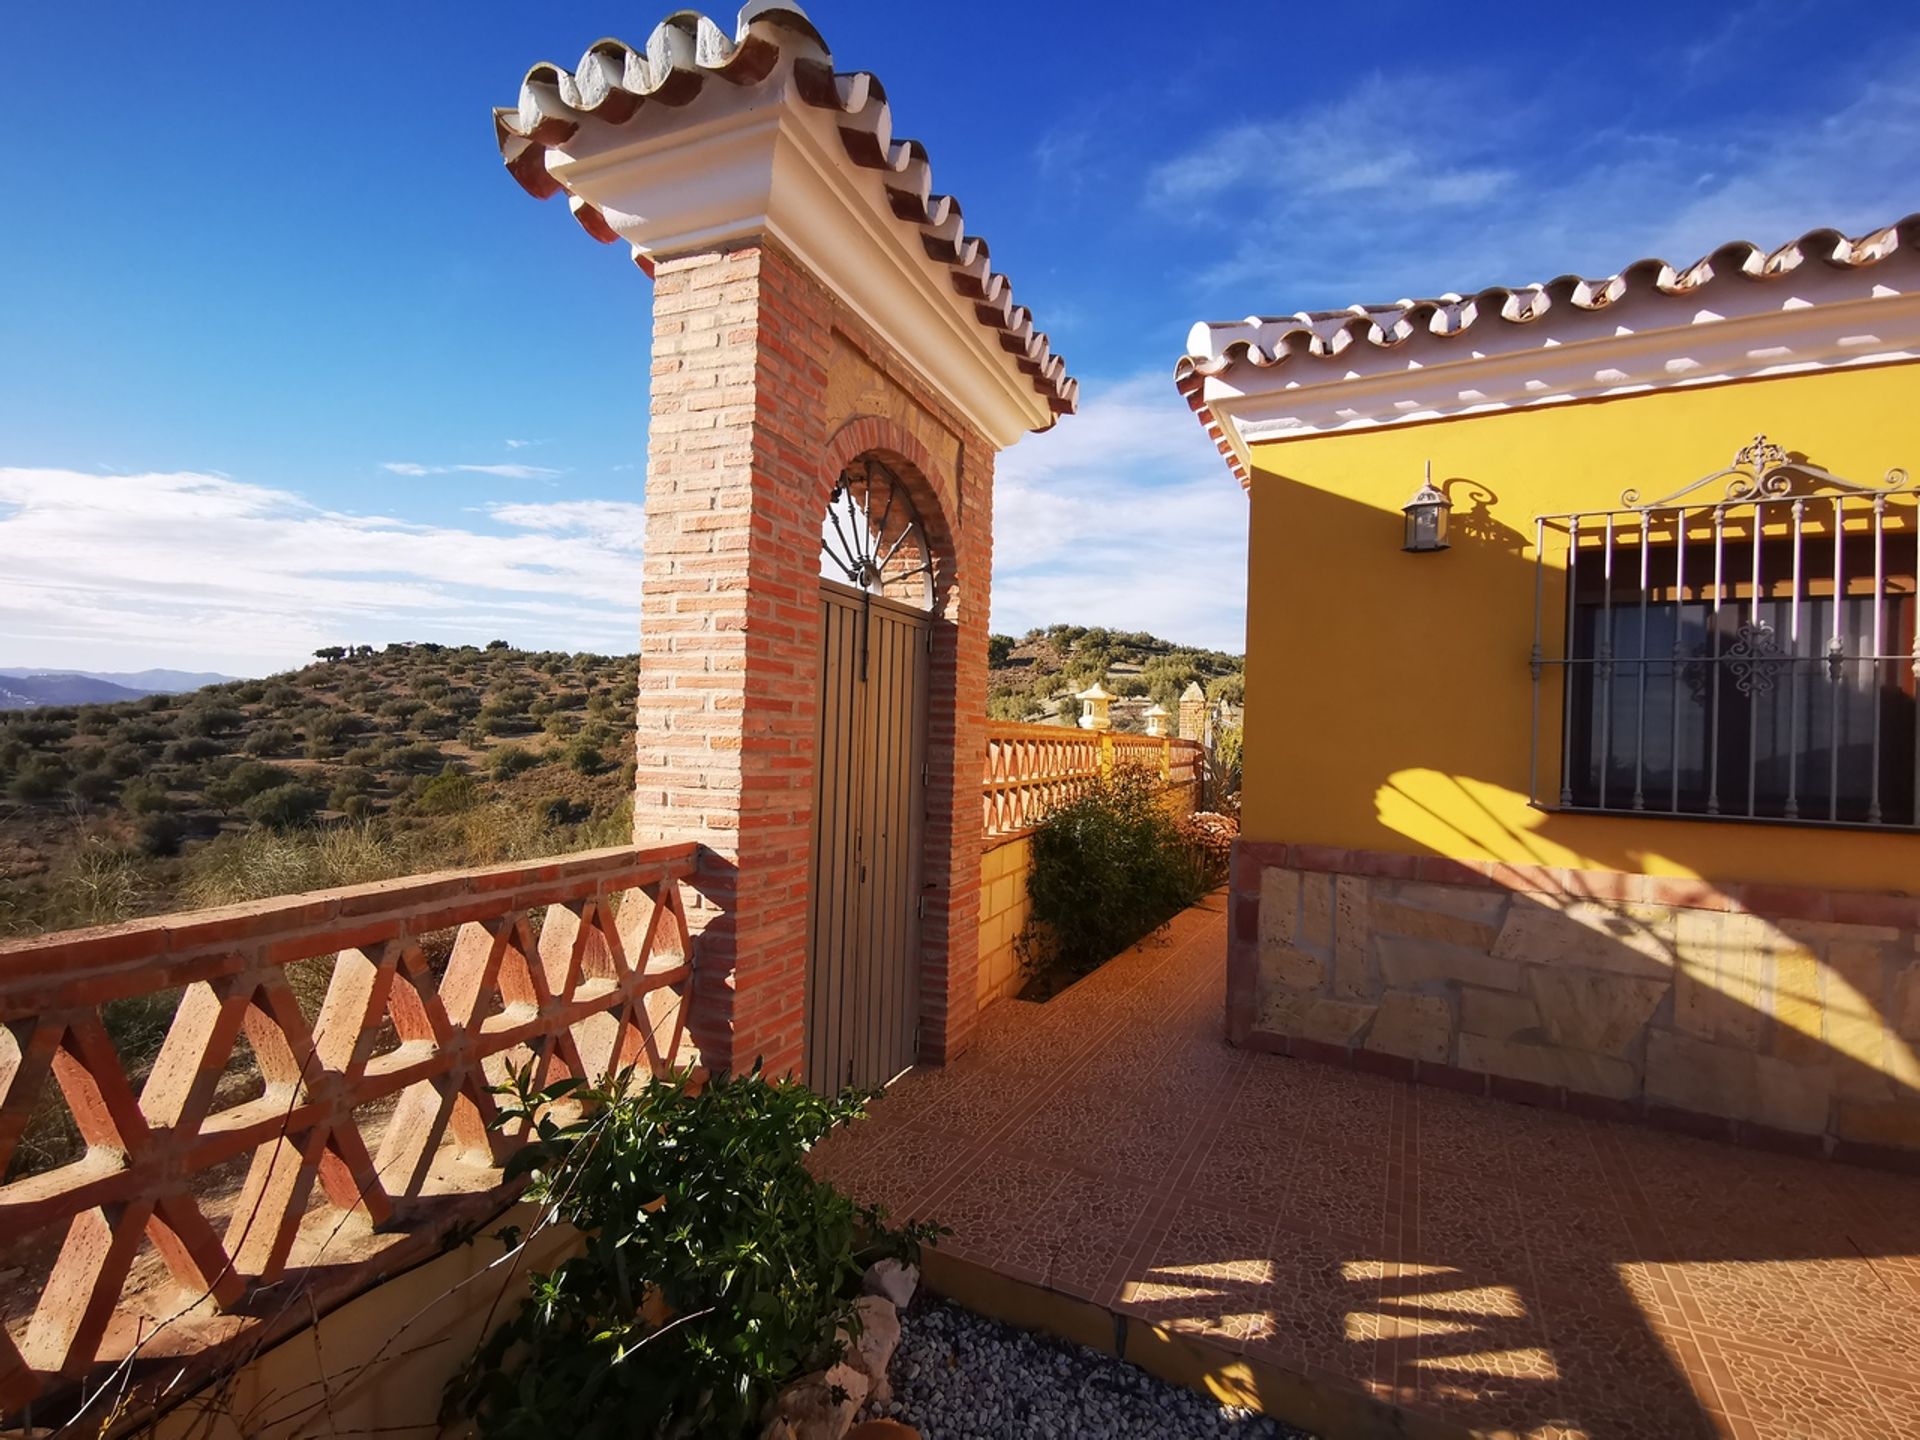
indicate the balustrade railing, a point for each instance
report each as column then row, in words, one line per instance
column 317, row 1108
column 1032, row 768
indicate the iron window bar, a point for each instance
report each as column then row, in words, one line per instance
column 1821, row 651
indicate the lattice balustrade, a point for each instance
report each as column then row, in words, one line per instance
column 305, row 1123
column 1032, row 768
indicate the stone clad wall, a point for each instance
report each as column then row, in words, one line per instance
column 1783, row 1017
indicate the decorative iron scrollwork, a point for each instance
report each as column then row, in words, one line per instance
column 1754, row 658
column 872, row 538
column 1762, row 470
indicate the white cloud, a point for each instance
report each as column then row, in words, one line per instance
column 1122, row 516
column 499, row 472
column 203, row 571
column 1410, row 185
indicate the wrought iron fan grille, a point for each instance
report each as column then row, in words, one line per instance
column 872, row 538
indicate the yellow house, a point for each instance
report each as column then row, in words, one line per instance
column 1580, row 750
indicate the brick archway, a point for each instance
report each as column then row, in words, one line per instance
column 956, row 723
column 931, row 487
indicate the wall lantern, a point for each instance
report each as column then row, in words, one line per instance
column 1427, row 517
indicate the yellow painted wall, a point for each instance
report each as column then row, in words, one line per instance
column 1004, row 866
column 1388, row 697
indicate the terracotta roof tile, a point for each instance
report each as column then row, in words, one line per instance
column 1217, row 348
column 614, row 82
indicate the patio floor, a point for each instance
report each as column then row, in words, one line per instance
column 1488, row 1266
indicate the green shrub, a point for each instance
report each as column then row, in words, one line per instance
column 448, row 793
column 193, row 747
column 145, row 796
column 210, row 720
column 244, row 781
column 715, row 1268
column 270, row 740
column 583, row 755
column 284, row 805
column 160, row 833
column 417, row 757
column 39, row 777
column 93, row 786
column 511, row 760
column 1109, row 867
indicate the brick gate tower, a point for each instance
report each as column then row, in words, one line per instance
column 815, row 304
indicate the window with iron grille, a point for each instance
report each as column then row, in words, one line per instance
column 1744, row 648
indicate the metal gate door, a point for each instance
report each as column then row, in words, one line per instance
column 863, row 965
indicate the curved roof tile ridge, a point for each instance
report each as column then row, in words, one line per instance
column 614, row 82
column 1263, row 341
column 1269, row 340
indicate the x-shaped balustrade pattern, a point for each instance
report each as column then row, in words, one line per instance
column 580, row 966
column 1032, row 768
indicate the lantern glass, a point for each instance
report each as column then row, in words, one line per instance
column 1427, row 519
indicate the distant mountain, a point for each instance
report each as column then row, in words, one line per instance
column 30, row 692
column 120, row 684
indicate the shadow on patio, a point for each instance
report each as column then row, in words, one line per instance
column 1486, row 1266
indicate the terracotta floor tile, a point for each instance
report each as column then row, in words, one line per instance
column 893, row 1167
column 1250, row 1165
column 1469, row 1225
column 1087, row 1230
column 1761, row 1303
column 1618, row 1377
column 1207, row 1274
column 991, row 1209
column 1338, row 1188
column 1510, row 1268
column 1789, row 1400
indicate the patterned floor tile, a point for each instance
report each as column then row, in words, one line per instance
column 1338, row 1188
column 1785, row 1399
column 1509, row 1268
column 1469, row 1225
column 1207, row 1274
column 1324, row 1304
column 991, row 1209
column 1083, row 1231
column 1618, row 1378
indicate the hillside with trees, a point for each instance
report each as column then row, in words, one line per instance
column 364, row 765
column 1032, row 677
column 376, row 762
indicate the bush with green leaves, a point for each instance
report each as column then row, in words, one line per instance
column 715, row 1267
column 448, row 793
column 1109, row 867
column 511, row 760
column 284, row 805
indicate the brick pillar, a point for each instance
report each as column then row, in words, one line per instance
column 1193, row 712
column 730, row 624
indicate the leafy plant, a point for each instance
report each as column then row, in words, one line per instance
column 715, row 1268
column 1109, row 867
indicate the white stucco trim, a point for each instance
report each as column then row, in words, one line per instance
column 728, row 171
column 1735, row 328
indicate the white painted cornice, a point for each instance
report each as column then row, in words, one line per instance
column 776, row 167
column 1822, row 302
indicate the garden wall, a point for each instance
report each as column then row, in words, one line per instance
column 1004, row 866
column 1761, row 1013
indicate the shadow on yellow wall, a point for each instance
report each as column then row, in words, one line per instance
column 1389, row 697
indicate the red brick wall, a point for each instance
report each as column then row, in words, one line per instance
column 743, row 449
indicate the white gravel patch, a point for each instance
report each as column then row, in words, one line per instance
column 960, row 1376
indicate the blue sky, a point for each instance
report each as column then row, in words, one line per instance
column 285, row 357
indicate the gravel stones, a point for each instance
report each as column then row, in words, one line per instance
column 959, row 1376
